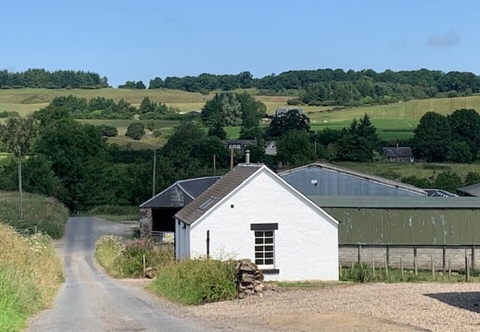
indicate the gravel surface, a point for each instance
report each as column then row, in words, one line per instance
column 360, row 307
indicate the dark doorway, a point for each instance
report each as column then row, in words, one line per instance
column 162, row 219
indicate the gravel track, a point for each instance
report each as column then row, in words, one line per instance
column 361, row 307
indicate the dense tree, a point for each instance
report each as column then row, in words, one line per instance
column 17, row 134
column 432, row 137
column 224, row 108
column 465, row 127
column 135, row 130
column 156, row 83
column 217, row 131
column 292, row 120
column 295, row 148
column 108, row 130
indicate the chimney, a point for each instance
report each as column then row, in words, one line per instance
column 247, row 157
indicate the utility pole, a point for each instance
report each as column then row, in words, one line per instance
column 20, row 205
column 154, row 169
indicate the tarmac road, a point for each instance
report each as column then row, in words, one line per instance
column 90, row 300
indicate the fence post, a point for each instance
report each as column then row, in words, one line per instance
column 386, row 267
column 35, row 229
column 433, row 267
column 401, row 266
column 144, row 266
column 473, row 257
column 388, row 254
column 467, row 270
column 373, row 267
column 359, row 253
column 444, row 253
column 415, row 259
column 449, row 268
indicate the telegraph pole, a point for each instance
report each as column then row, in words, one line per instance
column 154, row 169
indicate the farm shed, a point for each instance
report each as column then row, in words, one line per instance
column 252, row 213
column 472, row 190
column 156, row 214
column 322, row 179
column 402, row 227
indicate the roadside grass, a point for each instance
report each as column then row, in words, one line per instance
column 196, row 281
column 114, row 212
column 47, row 214
column 30, row 274
column 125, row 259
column 361, row 272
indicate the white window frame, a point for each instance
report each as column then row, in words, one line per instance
column 264, row 247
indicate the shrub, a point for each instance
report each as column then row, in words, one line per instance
column 125, row 260
column 197, row 281
column 135, row 130
column 30, row 273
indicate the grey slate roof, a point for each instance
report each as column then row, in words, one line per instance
column 398, row 152
column 358, row 202
column 472, row 190
column 360, row 175
column 180, row 193
column 228, row 183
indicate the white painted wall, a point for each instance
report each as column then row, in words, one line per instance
column 306, row 243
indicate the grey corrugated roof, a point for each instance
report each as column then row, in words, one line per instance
column 472, row 190
column 228, row 183
column 397, row 202
column 439, row 193
column 180, row 193
column 350, row 172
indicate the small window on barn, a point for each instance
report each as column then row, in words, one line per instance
column 265, row 246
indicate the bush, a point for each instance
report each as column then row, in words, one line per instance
column 30, row 274
column 197, row 281
column 294, row 101
column 135, row 130
column 125, row 260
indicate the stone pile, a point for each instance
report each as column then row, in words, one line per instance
column 249, row 279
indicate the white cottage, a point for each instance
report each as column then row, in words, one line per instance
column 253, row 213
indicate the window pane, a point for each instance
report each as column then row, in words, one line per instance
column 259, row 234
column 268, row 255
column 269, row 262
column 259, row 255
column 268, row 233
column 268, row 240
column 259, row 248
column 259, row 261
column 260, row 241
column 268, row 248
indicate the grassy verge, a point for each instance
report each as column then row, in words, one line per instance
column 125, row 260
column 196, row 281
column 30, row 274
column 114, row 212
column 47, row 214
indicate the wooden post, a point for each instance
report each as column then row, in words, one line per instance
column 231, row 158
column 214, row 163
column 473, row 257
column 154, row 171
column 388, row 254
column 340, row 272
column 208, row 244
column 401, row 266
column 415, row 260
column 467, row 270
column 144, row 266
column 449, row 268
column 444, row 253
column 359, row 258
column 373, row 267
column 386, row 268
column 433, row 267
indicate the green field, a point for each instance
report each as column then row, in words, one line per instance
column 398, row 119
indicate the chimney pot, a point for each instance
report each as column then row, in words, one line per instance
column 247, row 156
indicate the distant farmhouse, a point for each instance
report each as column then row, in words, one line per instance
column 283, row 110
column 398, row 154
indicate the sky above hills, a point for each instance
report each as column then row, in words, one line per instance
column 139, row 40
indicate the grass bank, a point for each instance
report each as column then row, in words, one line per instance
column 47, row 214
column 30, row 274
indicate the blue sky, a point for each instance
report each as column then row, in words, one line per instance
column 139, row 40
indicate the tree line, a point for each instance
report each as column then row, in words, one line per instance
column 60, row 79
column 105, row 108
column 335, row 87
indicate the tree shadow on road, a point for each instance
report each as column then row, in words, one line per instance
column 464, row 300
